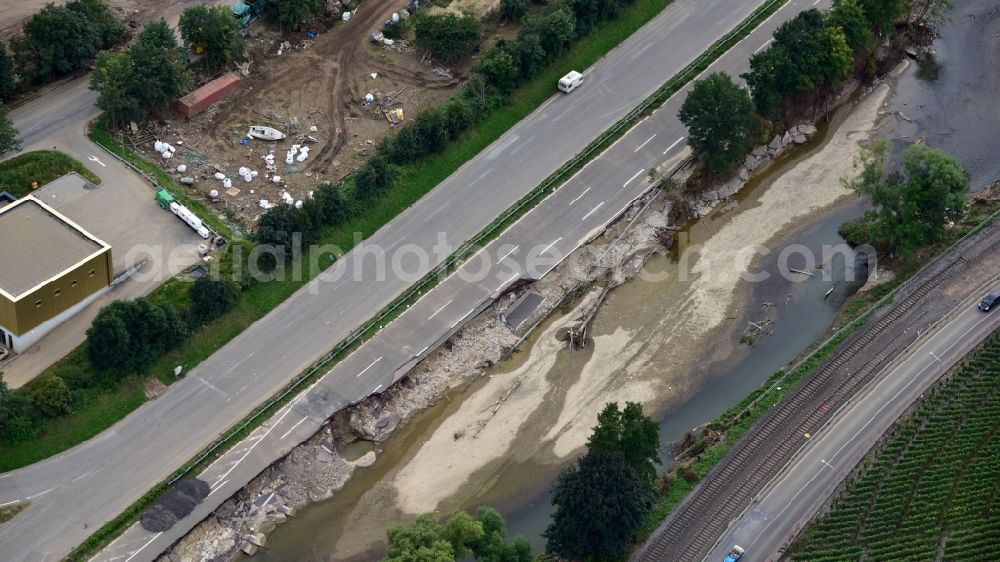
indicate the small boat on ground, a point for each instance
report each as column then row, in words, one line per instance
column 265, row 133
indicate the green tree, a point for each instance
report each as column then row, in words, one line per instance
column 499, row 68
column 211, row 298
column 159, row 73
column 720, row 120
column 57, row 40
column 110, row 30
column 128, row 336
column 586, row 15
column 293, row 14
column 330, row 202
column 839, row 58
column 913, row 204
column 882, row 14
column 159, row 34
column 600, row 504
column 9, row 135
column 458, row 116
column 284, row 228
column 447, row 36
column 112, row 79
column 15, row 425
column 50, row 395
column 374, row 177
column 492, row 546
column 212, row 30
column 513, row 9
column 630, row 433
column 556, row 30
column 483, row 537
column 8, row 82
column 419, row 542
column 806, row 55
column 850, row 16
column 109, row 345
column 531, row 56
column 426, row 134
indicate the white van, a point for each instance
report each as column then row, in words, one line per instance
column 569, row 82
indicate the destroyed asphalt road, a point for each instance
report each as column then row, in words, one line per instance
column 74, row 493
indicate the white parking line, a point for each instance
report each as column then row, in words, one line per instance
column 507, row 255
column 669, row 148
column 592, row 210
column 768, row 42
column 645, row 143
column 291, row 429
column 584, row 192
column 10, row 503
column 377, row 388
column 549, row 247
column 369, row 366
column 431, row 316
column 633, row 178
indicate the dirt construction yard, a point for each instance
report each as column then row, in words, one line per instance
column 314, row 91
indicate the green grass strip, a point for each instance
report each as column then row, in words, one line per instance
column 42, row 166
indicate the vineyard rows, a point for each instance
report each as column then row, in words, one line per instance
column 931, row 489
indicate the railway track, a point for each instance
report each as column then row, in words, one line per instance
column 695, row 524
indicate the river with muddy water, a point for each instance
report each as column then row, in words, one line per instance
column 669, row 339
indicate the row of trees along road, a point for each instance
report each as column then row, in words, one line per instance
column 807, row 60
column 125, row 338
column 544, row 35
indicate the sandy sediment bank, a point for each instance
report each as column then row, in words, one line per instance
column 521, row 413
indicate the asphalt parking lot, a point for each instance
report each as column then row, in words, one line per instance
column 126, row 217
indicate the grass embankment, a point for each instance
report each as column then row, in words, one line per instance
column 929, row 489
column 42, row 166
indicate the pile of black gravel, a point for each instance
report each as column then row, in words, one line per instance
column 177, row 504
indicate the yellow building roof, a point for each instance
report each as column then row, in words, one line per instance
column 37, row 244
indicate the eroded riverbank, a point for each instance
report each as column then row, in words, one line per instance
column 648, row 345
